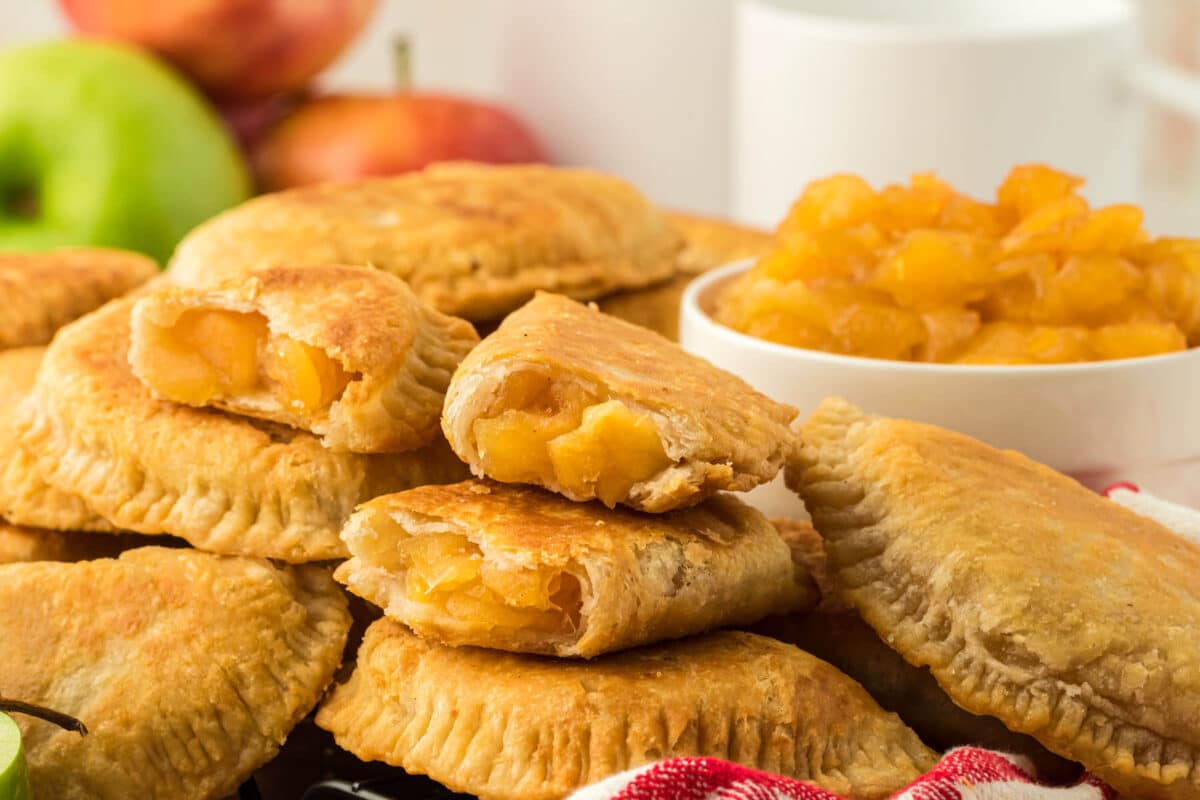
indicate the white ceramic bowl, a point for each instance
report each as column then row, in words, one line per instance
column 1135, row 419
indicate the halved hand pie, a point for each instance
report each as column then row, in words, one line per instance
column 1029, row 598
column 188, row 669
column 348, row 353
column 503, row 726
column 224, row 483
column 44, row 291
column 589, row 406
column 472, row 240
column 25, row 498
column 519, row 569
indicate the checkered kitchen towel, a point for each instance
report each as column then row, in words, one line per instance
column 967, row 773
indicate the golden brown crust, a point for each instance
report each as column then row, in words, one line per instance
column 643, row 578
column 223, row 483
column 472, row 240
column 709, row 242
column 188, row 669
column 834, row 632
column 1030, row 598
column 44, row 291
column 655, row 307
column 18, row 543
column 25, row 498
column 719, row 433
column 399, row 351
column 512, row 726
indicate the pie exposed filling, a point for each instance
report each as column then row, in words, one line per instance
column 561, row 435
column 211, row 353
column 448, row 573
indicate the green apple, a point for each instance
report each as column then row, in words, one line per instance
column 14, row 779
column 101, row 144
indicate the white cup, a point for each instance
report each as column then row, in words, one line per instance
column 966, row 88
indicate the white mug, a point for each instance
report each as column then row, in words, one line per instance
column 966, row 88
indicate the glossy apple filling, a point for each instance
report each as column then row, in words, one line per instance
column 209, row 353
column 448, row 572
column 561, row 436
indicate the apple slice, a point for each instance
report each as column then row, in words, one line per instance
column 14, row 777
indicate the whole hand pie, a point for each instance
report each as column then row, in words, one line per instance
column 189, row 669
column 589, row 406
column 348, row 353
column 44, row 291
column 226, row 484
column 472, row 240
column 499, row 725
column 519, row 569
column 26, row 499
column 834, row 632
column 1029, row 598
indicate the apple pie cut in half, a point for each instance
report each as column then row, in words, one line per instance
column 348, row 353
column 516, row 568
column 502, row 725
column 473, row 240
column 188, row 669
column 1029, row 598
column 590, row 406
column 834, row 632
column 26, row 499
column 44, row 291
column 224, row 483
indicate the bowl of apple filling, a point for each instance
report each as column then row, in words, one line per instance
column 1034, row 322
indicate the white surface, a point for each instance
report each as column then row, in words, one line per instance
column 967, row 93
column 1102, row 422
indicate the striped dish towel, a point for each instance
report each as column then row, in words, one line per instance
column 966, row 773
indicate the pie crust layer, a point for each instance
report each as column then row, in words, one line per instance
column 589, row 406
column 44, row 291
column 348, row 353
column 516, row 568
column 500, row 725
column 225, row 484
column 472, row 240
column 1028, row 597
column 189, row 669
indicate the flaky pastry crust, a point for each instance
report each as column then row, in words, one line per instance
column 398, row 351
column 189, row 669
column 472, row 240
column 499, row 725
column 225, row 484
column 717, row 432
column 642, row 578
column 1029, row 598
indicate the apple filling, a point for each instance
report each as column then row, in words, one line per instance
column 448, row 572
column 210, row 353
column 563, row 436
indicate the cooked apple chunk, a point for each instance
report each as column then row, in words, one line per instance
column 348, row 353
column 589, row 406
column 516, row 568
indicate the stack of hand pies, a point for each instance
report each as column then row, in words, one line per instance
column 194, row 472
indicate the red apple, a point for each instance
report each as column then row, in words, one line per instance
column 342, row 137
column 232, row 48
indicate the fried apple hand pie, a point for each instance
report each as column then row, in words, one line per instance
column 226, row 484
column 1030, row 598
column 189, row 669
column 473, row 240
column 590, row 406
column 520, row 727
column 348, row 353
column 519, row 569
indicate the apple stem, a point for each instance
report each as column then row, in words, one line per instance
column 64, row 721
column 402, row 62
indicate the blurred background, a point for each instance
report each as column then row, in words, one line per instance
column 724, row 107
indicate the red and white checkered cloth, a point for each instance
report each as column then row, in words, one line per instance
column 967, row 773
